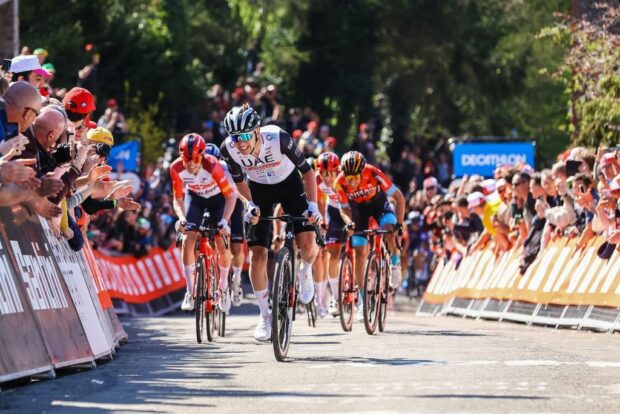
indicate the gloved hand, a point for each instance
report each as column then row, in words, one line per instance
column 252, row 214
column 350, row 228
column 179, row 226
column 223, row 226
column 313, row 213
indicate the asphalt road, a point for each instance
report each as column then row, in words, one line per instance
column 437, row 365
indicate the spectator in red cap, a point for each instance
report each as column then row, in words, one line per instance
column 297, row 133
column 609, row 168
column 330, row 144
column 78, row 104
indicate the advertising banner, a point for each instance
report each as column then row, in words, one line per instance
column 44, row 285
column 127, row 153
column 23, row 351
column 482, row 158
column 86, row 306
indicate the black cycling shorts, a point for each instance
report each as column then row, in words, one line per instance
column 335, row 224
column 290, row 194
column 377, row 208
column 236, row 224
column 195, row 206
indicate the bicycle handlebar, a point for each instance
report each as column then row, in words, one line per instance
column 287, row 218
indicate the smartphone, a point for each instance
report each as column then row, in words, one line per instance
column 572, row 167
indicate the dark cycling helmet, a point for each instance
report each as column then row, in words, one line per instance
column 327, row 161
column 241, row 119
column 352, row 163
column 192, row 147
column 212, row 149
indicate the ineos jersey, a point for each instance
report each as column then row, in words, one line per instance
column 278, row 158
column 209, row 181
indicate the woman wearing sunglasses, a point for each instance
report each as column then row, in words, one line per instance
column 276, row 172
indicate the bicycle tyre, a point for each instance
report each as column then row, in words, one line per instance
column 209, row 293
column 371, row 293
column 199, row 304
column 282, row 308
column 346, row 285
column 384, row 295
column 311, row 310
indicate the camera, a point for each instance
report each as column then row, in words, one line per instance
column 62, row 154
column 103, row 150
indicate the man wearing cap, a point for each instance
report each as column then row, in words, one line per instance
column 28, row 69
column 610, row 167
column 79, row 103
column 423, row 197
column 485, row 211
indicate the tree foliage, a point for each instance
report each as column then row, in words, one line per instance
column 455, row 66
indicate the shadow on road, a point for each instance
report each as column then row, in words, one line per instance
column 435, row 333
column 481, row 396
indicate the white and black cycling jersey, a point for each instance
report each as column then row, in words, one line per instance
column 278, row 158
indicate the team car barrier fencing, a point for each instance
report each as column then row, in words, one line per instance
column 51, row 315
column 564, row 287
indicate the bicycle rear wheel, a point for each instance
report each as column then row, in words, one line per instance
column 346, row 292
column 282, row 300
column 199, row 305
column 211, row 308
column 383, row 297
column 372, row 296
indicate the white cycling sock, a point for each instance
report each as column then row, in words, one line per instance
column 305, row 270
column 236, row 274
column 189, row 271
column 333, row 284
column 322, row 292
column 262, row 296
column 224, row 278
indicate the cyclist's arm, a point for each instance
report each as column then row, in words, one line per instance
column 391, row 190
column 321, row 200
column 212, row 165
column 345, row 209
column 177, row 192
column 288, row 148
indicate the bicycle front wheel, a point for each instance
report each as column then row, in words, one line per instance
column 282, row 301
column 199, row 305
column 372, row 295
column 384, row 295
column 211, row 308
column 346, row 292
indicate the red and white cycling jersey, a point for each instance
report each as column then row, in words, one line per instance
column 209, row 181
column 333, row 199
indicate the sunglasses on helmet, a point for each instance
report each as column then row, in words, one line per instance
column 244, row 137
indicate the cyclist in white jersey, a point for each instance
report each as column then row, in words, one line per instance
column 272, row 163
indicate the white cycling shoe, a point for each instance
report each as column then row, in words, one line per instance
column 237, row 294
column 306, row 290
column 359, row 315
column 395, row 276
column 224, row 302
column 188, row 302
column 333, row 308
column 262, row 333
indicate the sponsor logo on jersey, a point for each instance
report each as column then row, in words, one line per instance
column 270, row 137
column 362, row 193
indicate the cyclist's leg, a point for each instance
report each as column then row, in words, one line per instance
column 194, row 208
column 388, row 221
column 216, row 209
column 361, row 215
column 335, row 224
column 259, row 248
column 237, row 238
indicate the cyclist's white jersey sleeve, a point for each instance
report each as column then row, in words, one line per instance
column 278, row 158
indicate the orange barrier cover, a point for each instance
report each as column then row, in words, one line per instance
column 141, row 280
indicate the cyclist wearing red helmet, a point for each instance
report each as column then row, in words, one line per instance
column 364, row 191
column 207, row 189
column 327, row 167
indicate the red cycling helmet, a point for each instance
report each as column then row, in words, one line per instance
column 327, row 161
column 192, row 147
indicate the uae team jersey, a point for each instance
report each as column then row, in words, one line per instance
column 210, row 180
column 278, row 158
column 333, row 200
column 372, row 183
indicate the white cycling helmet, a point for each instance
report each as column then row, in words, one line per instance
column 241, row 119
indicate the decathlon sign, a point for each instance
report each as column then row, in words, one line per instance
column 482, row 158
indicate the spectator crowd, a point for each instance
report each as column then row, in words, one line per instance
column 53, row 163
